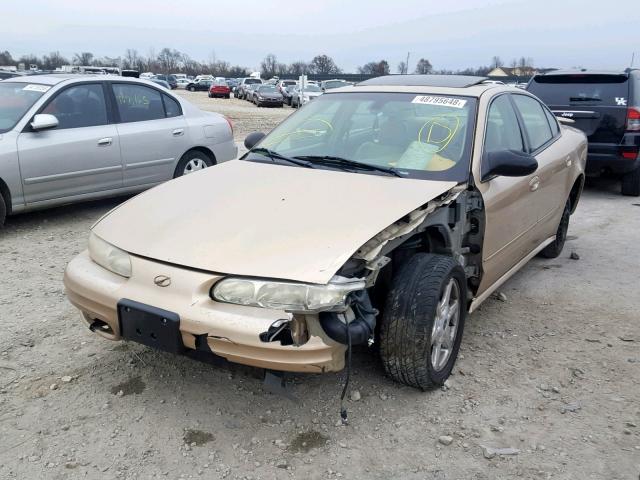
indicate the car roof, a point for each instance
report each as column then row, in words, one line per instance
column 584, row 71
column 55, row 79
column 454, row 81
column 466, row 85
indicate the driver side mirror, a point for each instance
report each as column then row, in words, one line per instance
column 44, row 121
column 252, row 139
column 508, row 163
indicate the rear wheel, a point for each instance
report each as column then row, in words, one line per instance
column 423, row 320
column 631, row 183
column 555, row 248
column 192, row 161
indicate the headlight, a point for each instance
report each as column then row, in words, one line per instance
column 289, row 296
column 108, row 256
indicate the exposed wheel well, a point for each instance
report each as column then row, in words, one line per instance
column 576, row 191
column 6, row 195
column 205, row 151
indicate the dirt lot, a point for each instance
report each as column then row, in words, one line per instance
column 551, row 369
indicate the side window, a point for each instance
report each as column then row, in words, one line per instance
column 171, row 106
column 535, row 120
column 79, row 106
column 503, row 131
column 553, row 122
column 137, row 103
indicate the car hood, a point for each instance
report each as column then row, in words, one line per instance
column 263, row 220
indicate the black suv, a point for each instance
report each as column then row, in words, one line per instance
column 606, row 107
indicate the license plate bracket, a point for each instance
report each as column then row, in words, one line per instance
column 149, row 325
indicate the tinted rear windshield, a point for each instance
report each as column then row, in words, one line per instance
column 576, row 89
column 252, row 80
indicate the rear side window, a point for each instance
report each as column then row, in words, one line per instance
column 503, row 131
column 137, row 103
column 553, row 123
column 79, row 106
column 171, row 106
column 535, row 120
column 581, row 89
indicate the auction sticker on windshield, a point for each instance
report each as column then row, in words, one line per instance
column 36, row 88
column 443, row 101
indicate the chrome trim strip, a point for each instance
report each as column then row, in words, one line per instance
column 149, row 163
column 63, row 176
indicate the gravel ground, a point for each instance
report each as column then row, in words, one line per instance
column 549, row 371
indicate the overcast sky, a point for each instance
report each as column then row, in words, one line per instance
column 452, row 34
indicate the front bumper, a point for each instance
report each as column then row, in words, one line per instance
column 232, row 331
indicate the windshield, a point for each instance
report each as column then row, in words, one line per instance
column 421, row 136
column 312, row 88
column 252, row 80
column 15, row 100
column 335, row 84
column 267, row 88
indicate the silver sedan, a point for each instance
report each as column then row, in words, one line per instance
column 68, row 138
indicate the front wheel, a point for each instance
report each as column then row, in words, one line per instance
column 423, row 320
column 192, row 89
column 192, row 161
column 631, row 183
column 554, row 249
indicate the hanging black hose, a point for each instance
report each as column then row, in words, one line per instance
column 343, row 411
column 360, row 329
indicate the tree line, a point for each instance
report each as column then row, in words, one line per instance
column 170, row 60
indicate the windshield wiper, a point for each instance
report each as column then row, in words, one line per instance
column 273, row 155
column 346, row 163
column 584, row 99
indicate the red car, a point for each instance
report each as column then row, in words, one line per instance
column 219, row 89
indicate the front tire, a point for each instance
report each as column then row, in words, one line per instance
column 192, row 161
column 423, row 321
column 554, row 249
column 192, row 89
column 631, row 183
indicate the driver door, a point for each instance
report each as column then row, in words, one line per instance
column 80, row 156
column 510, row 213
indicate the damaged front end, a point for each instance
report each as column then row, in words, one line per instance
column 357, row 322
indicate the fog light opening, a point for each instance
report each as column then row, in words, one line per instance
column 291, row 331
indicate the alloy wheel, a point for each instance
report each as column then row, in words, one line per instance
column 445, row 325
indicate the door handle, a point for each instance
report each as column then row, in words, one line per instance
column 105, row 142
column 534, row 183
column 178, row 132
column 568, row 161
